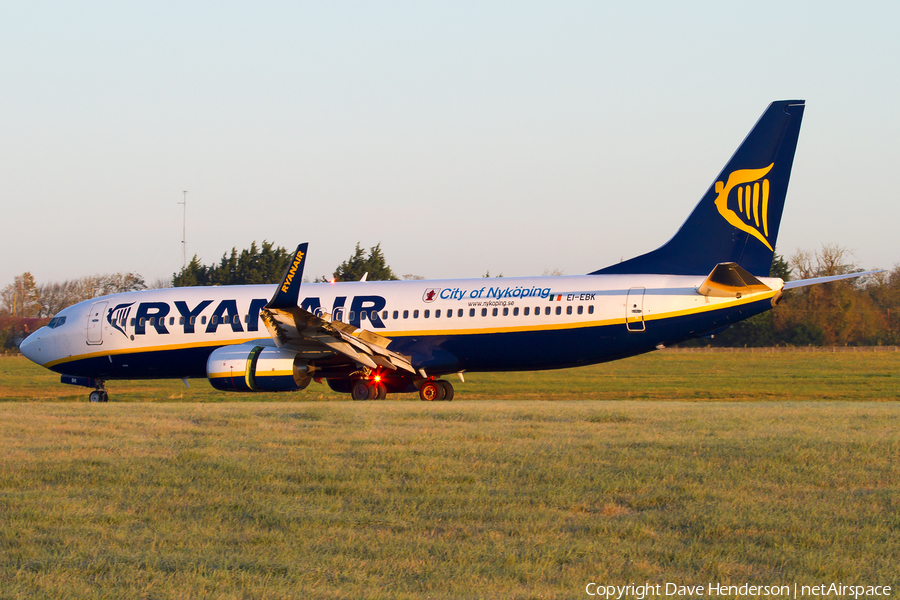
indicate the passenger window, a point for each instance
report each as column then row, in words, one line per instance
column 568, row 310
column 384, row 315
column 494, row 313
column 449, row 313
column 525, row 312
column 591, row 309
column 397, row 314
column 351, row 315
column 405, row 314
column 415, row 314
column 547, row 311
column 559, row 310
column 460, row 313
column 427, row 313
column 171, row 320
column 132, row 321
column 203, row 320
column 516, row 311
column 181, row 320
column 437, row 314
column 193, row 320
column 580, row 310
column 483, row 312
column 362, row 315
column 152, row 321
column 505, row 311
column 141, row 322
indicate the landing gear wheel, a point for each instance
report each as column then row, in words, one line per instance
column 104, row 397
column 360, row 391
column 448, row 390
column 380, row 391
column 96, row 396
column 431, row 391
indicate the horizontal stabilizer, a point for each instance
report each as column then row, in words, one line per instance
column 790, row 285
column 729, row 280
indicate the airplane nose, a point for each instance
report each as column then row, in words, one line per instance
column 30, row 348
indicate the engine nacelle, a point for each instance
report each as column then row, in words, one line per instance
column 246, row 368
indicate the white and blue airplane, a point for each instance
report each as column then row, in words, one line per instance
column 371, row 338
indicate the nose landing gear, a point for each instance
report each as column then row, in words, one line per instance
column 99, row 395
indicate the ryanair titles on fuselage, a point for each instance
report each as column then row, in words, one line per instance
column 160, row 316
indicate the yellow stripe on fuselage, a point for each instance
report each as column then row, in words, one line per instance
column 748, row 299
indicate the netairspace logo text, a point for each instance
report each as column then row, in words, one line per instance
column 712, row 590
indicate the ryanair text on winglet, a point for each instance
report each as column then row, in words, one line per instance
column 290, row 277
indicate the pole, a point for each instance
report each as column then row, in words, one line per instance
column 183, row 231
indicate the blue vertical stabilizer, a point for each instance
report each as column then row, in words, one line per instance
column 738, row 218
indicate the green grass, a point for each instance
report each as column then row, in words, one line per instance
column 667, row 375
column 407, row 500
column 486, row 498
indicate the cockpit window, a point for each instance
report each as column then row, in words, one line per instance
column 56, row 322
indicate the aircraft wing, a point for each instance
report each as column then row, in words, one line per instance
column 317, row 336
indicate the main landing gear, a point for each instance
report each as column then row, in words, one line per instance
column 431, row 390
column 368, row 390
column 435, row 390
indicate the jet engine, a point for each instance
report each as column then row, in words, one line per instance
column 248, row 368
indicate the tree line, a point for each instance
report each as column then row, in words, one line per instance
column 854, row 312
column 26, row 305
column 864, row 311
column 267, row 264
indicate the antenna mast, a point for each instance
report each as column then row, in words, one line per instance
column 183, row 230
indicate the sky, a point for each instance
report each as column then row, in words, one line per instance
column 464, row 137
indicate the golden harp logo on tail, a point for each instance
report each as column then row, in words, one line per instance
column 752, row 200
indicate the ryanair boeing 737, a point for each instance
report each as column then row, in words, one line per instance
column 368, row 339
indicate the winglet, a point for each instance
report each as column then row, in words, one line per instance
column 288, row 292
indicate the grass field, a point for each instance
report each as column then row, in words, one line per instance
column 623, row 478
column 667, row 375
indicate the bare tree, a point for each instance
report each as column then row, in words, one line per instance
column 20, row 298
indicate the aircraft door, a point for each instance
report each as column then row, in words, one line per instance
column 95, row 324
column 634, row 309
